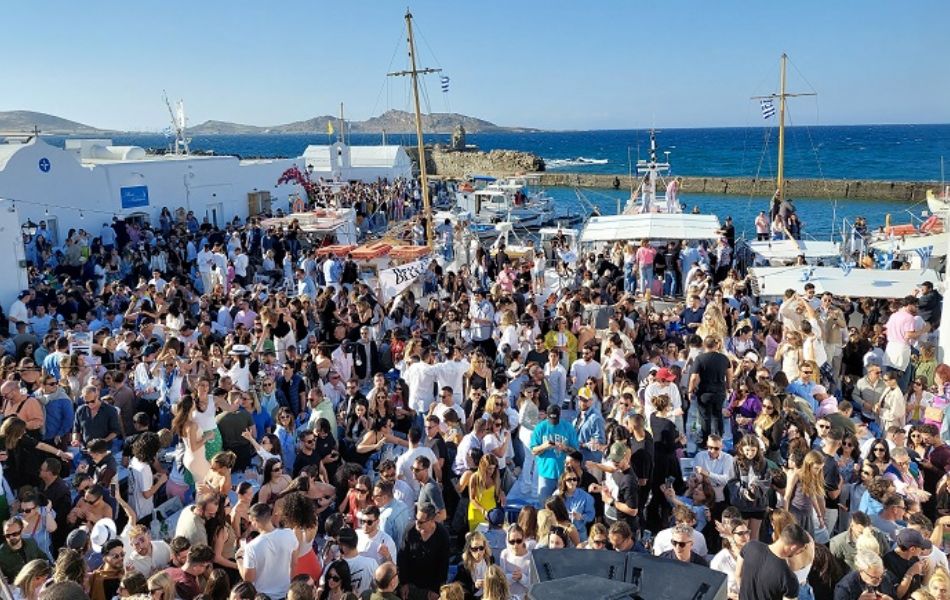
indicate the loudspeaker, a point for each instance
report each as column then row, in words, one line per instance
column 665, row 579
column 582, row 586
column 555, row 564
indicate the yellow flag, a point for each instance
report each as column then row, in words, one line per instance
column 329, row 127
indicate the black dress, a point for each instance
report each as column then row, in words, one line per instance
column 666, row 464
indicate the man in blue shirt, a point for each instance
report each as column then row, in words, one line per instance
column 804, row 386
column 692, row 315
column 589, row 425
column 551, row 441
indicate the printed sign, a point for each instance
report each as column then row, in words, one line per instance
column 395, row 280
column 134, row 197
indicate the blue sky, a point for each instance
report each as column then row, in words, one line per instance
column 554, row 65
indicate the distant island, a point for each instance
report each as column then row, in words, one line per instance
column 391, row 121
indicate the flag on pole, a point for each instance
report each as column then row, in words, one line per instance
column 924, row 254
column 768, row 109
column 329, row 127
column 444, row 80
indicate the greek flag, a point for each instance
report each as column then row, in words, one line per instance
column 768, row 109
column 846, row 267
column 924, row 254
column 444, row 80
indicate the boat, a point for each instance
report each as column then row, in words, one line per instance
column 650, row 174
column 509, row 199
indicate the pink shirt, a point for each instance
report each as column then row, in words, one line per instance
column 645, row 256
column 900, row 323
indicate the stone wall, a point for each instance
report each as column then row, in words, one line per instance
column 909, row 191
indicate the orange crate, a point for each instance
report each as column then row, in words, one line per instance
column 337, row 249
column 371, row 251
column 409, row 252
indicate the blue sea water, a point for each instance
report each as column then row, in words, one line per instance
column 884, row 152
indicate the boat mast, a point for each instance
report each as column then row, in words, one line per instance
column 420, row 145
column 781, row 131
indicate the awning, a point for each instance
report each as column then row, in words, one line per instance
column 790, row 249
column 771, row 282
column 913, row 243
column 654, row 226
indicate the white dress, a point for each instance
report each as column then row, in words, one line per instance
column 195, row 460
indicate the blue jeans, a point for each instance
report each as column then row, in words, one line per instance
column 629, row 279
column 646, row 278
column 669, row 283
column 546, row 487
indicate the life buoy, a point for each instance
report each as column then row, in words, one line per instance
column 467, row 187
column 932, row 225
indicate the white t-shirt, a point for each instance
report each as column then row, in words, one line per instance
column 159, row 559
column 663, row 542
column 140, row 479
column 404, row 467
column 270, row 554
column 369, row 546
column 362, row 569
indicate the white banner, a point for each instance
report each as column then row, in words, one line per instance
column 395, row 280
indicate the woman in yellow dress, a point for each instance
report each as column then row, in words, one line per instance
column 484, row 491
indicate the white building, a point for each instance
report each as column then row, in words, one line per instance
column 87, row 183
column 13, row 275
column 340, row 162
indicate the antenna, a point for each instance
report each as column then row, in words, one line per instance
column 179, row 123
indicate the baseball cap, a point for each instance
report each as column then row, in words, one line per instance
column 665, row 374
column 553, row 410
column 911, row 538
column 617, row 451
column 819, row 389
column 77, row 539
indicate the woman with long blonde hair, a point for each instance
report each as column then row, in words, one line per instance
column 713, row 323
column 496, row 584
column 484, row 491
column 508, row 331
column 32, row 577
column 161, row 586
column 805, row 493
column 476, row 559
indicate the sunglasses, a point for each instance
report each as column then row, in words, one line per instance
column 516, row 542
column 477, row 548
column 571, row 479
column 335, row 578
column 367, row 521
column 682, row 544
column 598, row 542
column 742, row 533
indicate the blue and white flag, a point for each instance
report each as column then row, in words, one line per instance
column 846, row 267
column 924, row 254
column 444, row 80
column 768, row 109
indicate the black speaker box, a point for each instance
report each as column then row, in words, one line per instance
column 562, row 563
column 664, row 579
column 582, row 586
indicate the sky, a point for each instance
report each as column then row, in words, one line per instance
column 611, row 64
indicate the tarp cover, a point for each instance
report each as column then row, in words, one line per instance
column 659, row 226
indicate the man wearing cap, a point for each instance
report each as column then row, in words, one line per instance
column 590, row 428
column 621, row 493
column 904, row 561
column 551, row 441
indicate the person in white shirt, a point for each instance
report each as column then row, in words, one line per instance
column 556, row 376
column 147, row 556
column 372, row 541
column 683, row 515
column 264, row 561
column 715, row 464
column 408, row 458
column 584, row 368
column 205, row 261
column 361, row 567
column 421, row 377
column 448, row 404
column 452, row 374
column 18, row 312
column 142, row 484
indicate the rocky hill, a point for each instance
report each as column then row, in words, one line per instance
column 26, row 120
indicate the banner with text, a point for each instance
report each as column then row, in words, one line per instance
column 395, row 280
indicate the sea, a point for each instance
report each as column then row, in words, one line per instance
column 876, row 152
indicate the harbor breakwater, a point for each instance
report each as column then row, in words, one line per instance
column 457, row 164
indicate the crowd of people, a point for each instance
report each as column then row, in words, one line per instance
column 225, row 414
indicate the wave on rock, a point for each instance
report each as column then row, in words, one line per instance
column 580, row 161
